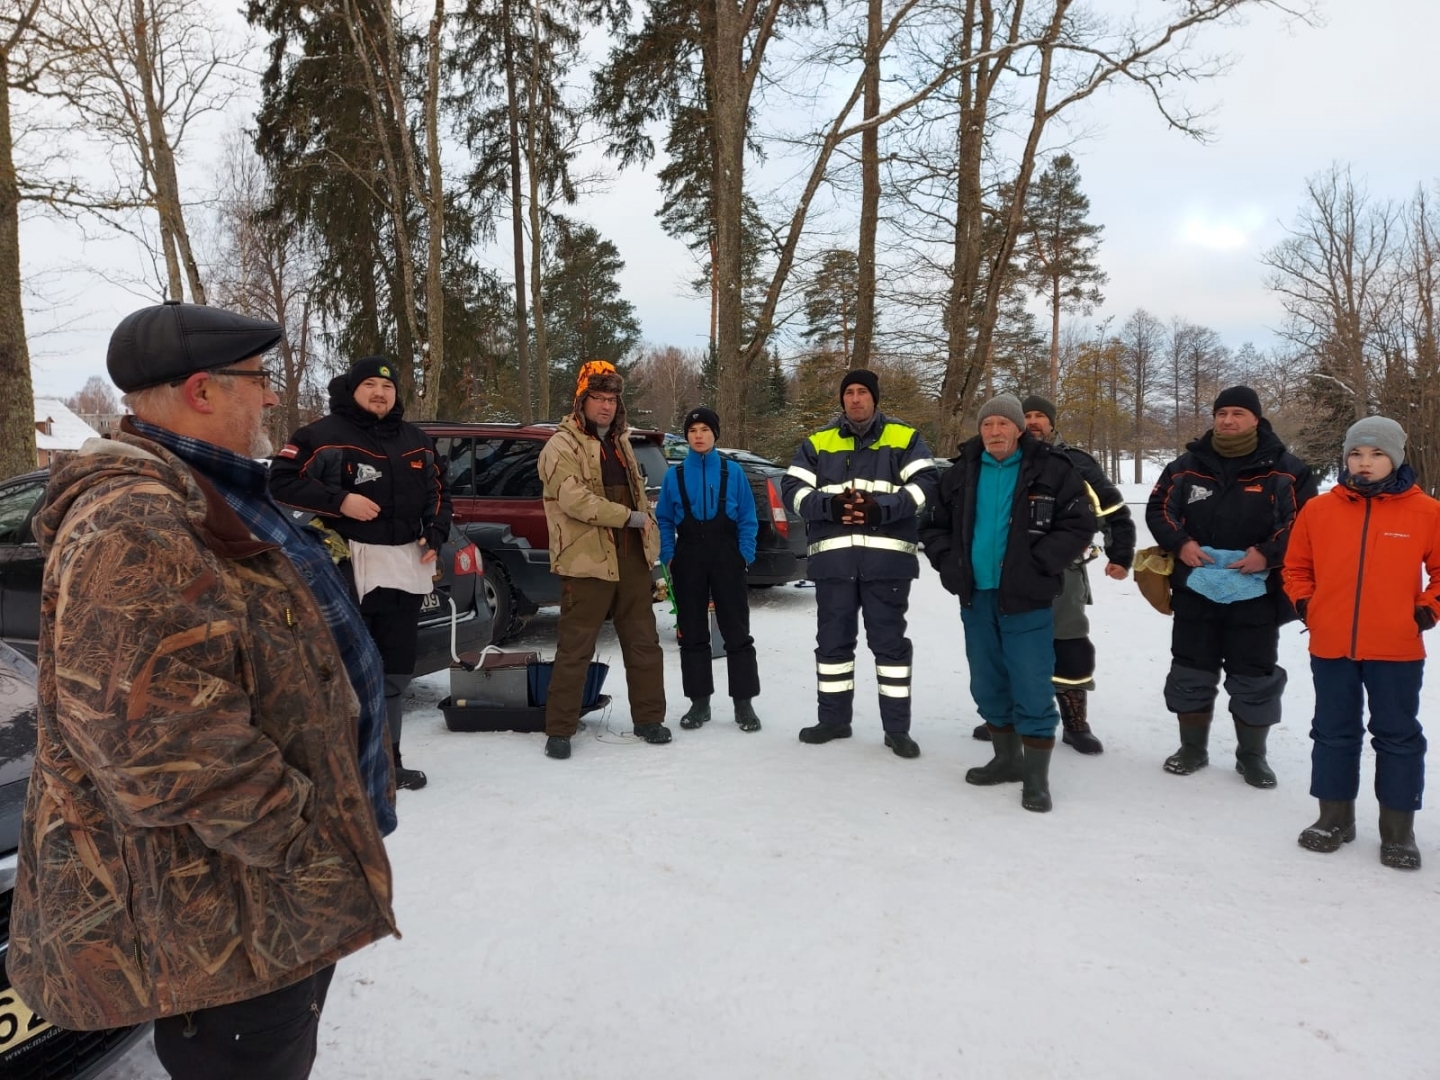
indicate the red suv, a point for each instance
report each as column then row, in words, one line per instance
column 496, row 491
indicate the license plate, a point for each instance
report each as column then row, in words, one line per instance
column 18, row 1023
column 431, row 602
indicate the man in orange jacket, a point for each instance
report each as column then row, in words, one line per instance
column 1353, row 572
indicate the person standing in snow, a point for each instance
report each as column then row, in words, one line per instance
column 706, row 516
column 375, row 481
column 1074, row 674
column 859, row 484
column 1012, row 514
column 1353, row 570
column 1227, row 504
column 202, row 834
column 603, row 542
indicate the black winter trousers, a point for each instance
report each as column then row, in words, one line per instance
column 271, row 1036
column 838, row 608
column 1244, row 639
column 701, row 573
column 393, row 619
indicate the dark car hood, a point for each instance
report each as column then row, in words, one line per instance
column 17, row 740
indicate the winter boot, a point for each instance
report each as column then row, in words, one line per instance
column 653, row 733
column 1194, row 737
column 408, row 779
column 1397, row 839
column 823, row 733
column 1035, row 774
column 1335, row 826
column 902, row 744
column 1073, row 709
column 1005, row 766
column 982, row 732
column 558, row 746
column 745, row 715
column 697, row 714
column 1250, row 755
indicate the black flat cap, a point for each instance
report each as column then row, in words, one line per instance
column 173, row 341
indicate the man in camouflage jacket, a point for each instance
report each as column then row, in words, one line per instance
column 202, row 836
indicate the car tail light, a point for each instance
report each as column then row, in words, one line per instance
column 467, row 560
column 778, row 518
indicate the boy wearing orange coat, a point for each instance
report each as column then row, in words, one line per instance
column 1353, row 571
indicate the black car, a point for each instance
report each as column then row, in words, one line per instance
column 21, row 568
column 780, row 541
column 31, row 1048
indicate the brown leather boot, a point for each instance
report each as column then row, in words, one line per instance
column 1073, row 709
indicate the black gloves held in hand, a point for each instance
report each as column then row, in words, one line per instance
column 1300, row 606
column 1424, row 618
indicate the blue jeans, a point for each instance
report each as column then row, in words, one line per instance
column 1012, row 658
column 1338, row 731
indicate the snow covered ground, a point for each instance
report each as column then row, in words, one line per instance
column 736, row 905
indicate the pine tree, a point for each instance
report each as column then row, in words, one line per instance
column 1059, row 246
column 590, row 320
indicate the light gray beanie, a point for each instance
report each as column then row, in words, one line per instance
column 1006, row 405
column 1380, row 432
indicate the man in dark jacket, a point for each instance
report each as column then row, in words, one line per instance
column 859, row 484
column 375, row 480
column 1227, row 504
column 1011, row 516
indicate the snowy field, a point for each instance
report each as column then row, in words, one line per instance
column 736, row 905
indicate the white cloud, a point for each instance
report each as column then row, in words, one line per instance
column 1220, row 232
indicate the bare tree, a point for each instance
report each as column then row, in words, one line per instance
column 671, row 381
column 96, row 398
column 1141, row 339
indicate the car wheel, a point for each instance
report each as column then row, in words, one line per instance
column 500, row 595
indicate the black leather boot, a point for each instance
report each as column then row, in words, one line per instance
column 697, row 714
column 902, row 744
column 1194, row 737
column 745, row 715
column 1335, row 826
column 981, row 732
column 1250, row 755
column 558, row 746
column 656, row 734
column 1004, row 767
column 823, row 733
column 1397, row 839
column 1074, row 719
column 1035, row 774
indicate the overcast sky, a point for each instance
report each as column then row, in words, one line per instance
column 1185, row 224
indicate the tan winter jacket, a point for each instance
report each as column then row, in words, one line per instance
column 579, row 515
column 196, row 830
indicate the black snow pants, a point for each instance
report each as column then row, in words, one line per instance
column 839, row 605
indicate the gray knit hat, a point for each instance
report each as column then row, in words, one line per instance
column 1006, row 405
column 1380, row 432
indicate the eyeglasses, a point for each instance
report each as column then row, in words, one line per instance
column 265, row 375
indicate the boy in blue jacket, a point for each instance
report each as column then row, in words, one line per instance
column 707, row 539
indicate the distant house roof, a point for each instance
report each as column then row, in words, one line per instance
column 66, row 431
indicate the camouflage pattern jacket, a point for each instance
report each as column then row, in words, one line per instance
column 582, row 520
column 196, row 831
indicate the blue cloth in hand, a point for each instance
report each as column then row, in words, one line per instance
column 1215, row 582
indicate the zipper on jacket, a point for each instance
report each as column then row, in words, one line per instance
column 1359, row 582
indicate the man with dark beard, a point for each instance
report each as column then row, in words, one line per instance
column 375, row 481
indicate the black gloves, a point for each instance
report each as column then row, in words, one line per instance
column 852, row 502
column 867, row 506
column 435, row 538
column 1424, row 618
column 1300, row 606
column 838, row 505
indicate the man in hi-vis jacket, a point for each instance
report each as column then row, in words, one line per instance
column 859, row 485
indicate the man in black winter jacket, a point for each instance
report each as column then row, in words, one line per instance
column 375, row 480
column 1011, row 516
column 1227, row 504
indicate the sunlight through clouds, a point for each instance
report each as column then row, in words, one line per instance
column 1221, row 232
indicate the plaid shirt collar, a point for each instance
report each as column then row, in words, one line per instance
column 225, row 467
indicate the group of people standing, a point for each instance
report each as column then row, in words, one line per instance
column 223, row 647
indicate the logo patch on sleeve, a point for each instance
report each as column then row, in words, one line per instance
column 289, row 450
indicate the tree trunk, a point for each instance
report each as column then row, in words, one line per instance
column 432, row 350
column 17, row 394
column 1054, row 337
column 532, row 169
column 522, row 331
column 869, row 193
column 728, row 116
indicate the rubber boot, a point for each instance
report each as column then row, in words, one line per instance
column 823, row 733
column 745, row 715
column 1073, row 709
column 1397, row 839
column 1250, row 755
column 697, row 714
column 1335, row 826
column 1194, row 737
column 1005, row 766
column 982, row 732
column 1035, row 774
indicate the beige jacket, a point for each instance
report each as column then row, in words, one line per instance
column 579, row 515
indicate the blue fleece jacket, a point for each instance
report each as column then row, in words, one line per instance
column 994, row 498
column 702, row 483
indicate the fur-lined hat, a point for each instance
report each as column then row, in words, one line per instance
column 599, row 377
